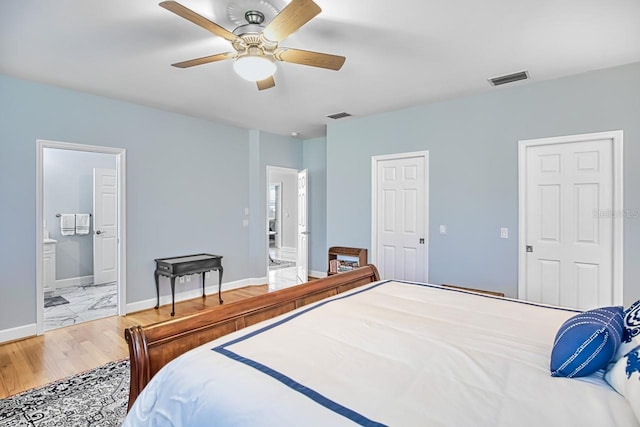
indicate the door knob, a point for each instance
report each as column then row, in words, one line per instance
column 98, row 232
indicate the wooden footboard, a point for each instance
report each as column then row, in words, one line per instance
column 151, row 347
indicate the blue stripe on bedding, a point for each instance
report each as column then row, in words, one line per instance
column 294, row 385
column 310, row 393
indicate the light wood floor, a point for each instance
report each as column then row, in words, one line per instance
column 64, row 352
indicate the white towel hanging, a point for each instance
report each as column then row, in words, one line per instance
column 82, row 223
column 67, row 224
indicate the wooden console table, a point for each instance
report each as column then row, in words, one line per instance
column 183, row 266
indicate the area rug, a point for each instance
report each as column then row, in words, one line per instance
column 53, row 301
column 276, row 264
column 94, row 398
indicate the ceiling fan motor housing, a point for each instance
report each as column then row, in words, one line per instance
column 250, row 35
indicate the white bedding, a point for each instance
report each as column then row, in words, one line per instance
column 389, row 353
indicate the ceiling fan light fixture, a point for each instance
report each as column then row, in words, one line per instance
column 254, row 68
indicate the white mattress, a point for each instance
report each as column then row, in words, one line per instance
column 389, row 353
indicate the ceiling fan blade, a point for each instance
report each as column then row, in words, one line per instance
column 313, row 59
column 199, row 20
column 266, row 83
column 293, row 16
column 204, row 60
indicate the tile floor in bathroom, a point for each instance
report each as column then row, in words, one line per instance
column 280, row 278
column 86, row 302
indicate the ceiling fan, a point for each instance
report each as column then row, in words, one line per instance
column 256, row 46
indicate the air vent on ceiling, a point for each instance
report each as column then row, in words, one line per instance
column 338, row 115
column 509, row 78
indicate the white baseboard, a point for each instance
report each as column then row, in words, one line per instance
column 194, row 293
column 317, row 274
column 18, row 333
column 73, row 281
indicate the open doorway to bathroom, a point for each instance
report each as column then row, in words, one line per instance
column 282, row 196
column 80, row 220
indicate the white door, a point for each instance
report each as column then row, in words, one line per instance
column 278, row 222
column 569, row 223
column 105, row 215
column 302, row 249
column 400, row 221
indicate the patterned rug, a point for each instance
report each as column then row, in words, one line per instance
column 53, row 301
column 94, row 398
column 276, row 264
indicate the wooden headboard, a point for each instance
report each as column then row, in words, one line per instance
column 151, row 347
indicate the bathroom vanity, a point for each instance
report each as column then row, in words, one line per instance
column 49, row 266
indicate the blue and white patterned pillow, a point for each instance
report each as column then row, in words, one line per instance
column 587, row 342
column 631, row 330
column 624, row 377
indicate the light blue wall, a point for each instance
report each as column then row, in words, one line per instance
column 472, row 144
column 315, row 161
column 68, row 188
column 187, row 185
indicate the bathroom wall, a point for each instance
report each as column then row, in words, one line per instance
column 68, row 188
column 289, row 194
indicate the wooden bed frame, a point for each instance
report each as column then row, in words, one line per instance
column 151, row 347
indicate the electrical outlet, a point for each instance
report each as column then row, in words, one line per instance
column 181, row 279
column 504, row 233
column 207, row 274
column 188, row 278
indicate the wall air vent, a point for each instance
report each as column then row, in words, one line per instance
column 339, row 115
column 509, row 78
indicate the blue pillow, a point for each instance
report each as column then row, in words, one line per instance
column 587, row 342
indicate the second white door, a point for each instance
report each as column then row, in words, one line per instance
column 569, row 223
column 400, row 219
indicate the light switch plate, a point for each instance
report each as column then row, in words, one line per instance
column 443, row 229
column 504, row 233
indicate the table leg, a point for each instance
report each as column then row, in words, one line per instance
column 204, row 273
column 173, row 295
column 220, row 285
column 157, row 289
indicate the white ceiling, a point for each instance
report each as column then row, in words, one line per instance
column 399, row 53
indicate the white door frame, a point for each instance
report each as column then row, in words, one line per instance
column 617, row 213
column 374, row 203
column 120, row 154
